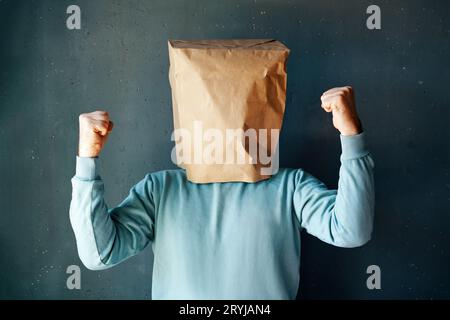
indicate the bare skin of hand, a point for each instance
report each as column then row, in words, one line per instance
column 341, row 103
column 94, row 130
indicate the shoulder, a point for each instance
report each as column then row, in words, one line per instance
column 289, row 173
column 287, row 177
column 155, row 182
column 166, row 177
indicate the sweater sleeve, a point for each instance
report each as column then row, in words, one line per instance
column 342, row 217
column 105, row 237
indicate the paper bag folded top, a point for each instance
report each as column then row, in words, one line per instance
column 228, row 100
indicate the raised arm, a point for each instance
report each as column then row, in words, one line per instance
column 342, row 217
column 105, row 236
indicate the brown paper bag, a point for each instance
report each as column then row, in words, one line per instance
column 226, row 94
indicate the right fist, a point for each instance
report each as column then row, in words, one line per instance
column 94, row 130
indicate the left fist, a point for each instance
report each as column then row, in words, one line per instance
column 341, row 102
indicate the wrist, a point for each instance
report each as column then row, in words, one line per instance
column 86, row 168
column 354, row 128
column 353, row 147
column 87, row 152
column 350, row 132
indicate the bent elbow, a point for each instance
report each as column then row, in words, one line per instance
column 354, row 242
column 353, row 233
column 94, row 267
column 354, row 238
column 92, row 262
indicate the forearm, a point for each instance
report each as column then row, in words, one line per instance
column 105, row 237
column 354, row 206
column 89, row 216
column 342, row 217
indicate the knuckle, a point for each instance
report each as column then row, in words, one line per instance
column 83, row 118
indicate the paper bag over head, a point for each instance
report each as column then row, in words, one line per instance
column 228, row 100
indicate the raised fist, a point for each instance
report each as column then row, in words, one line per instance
column 94, row 130
column 341, row 102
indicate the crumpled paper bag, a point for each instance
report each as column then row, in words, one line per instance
column 223, row 86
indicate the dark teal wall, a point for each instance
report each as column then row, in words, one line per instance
column 118, row 62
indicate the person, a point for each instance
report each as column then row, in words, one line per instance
column 231, row 240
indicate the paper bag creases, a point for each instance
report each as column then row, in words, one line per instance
column 228, row 99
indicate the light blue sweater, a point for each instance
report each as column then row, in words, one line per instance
column 223, row 240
